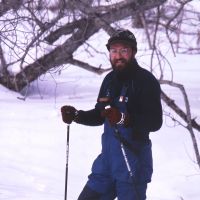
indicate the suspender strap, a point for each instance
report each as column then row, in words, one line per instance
column 117, row 133
column 123, row 93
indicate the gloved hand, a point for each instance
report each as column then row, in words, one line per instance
column 114, row 116
column 68, row 114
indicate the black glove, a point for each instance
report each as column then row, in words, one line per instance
column 69, row 113
column 114, row 116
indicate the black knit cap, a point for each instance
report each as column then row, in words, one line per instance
column 122, row 35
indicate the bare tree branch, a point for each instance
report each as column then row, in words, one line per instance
column 88, row 67
column 171, row 103
column 7, row 5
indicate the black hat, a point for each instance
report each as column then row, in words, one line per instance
column 122, row 35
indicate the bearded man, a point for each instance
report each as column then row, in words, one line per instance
column 129, row 106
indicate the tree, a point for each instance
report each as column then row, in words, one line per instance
column 40, row 35
column 44, row 28
column 177, row 25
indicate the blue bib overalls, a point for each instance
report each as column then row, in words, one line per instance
column 110, row 176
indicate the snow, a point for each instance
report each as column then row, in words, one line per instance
column 33, row 139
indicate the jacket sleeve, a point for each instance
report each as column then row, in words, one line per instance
column 90, row 117
column 148, row 115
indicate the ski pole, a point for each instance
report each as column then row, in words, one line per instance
column 67, row 158
column 127, row 164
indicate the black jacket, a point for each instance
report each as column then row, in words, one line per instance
column 143, row 106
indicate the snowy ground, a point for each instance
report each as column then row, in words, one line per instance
column 33, row 140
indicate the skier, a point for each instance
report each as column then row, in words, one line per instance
column 129, row 106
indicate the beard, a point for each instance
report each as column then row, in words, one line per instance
column 122, row 68
column 119, row 64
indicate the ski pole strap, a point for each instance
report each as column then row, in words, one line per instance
column 125, row 142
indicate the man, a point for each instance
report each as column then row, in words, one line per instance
column 129, row 106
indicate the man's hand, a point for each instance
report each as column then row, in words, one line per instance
column 114, row 116
column 69, row 113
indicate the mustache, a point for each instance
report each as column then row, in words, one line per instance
column 121, row 60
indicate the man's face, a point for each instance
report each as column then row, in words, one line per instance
column 120, row 56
